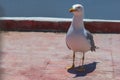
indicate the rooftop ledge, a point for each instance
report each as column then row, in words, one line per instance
column 56, row 24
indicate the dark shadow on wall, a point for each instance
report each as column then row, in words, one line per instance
column 1, row 42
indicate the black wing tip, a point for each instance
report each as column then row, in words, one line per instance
column 94, row 48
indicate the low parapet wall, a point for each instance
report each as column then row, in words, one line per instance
column 56, row 24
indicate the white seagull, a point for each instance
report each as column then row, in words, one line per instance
column 78, row 39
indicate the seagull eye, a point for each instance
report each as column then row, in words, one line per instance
column 78, row 7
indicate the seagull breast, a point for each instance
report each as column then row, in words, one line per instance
column 77, row 42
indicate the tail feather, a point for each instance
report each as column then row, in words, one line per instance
column 94, row 48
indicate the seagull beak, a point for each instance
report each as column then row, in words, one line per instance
column 71, row 10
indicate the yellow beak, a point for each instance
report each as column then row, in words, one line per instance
column 71, row 10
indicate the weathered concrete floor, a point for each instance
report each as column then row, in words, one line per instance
column 44, row 56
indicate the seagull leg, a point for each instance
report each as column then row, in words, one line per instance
column 83, row 58
column 73, row 64
column 81, row 69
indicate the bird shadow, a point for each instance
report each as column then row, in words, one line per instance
column 88, row 69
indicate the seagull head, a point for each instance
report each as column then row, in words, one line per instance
column 77, row 9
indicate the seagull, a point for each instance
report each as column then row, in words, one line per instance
column 78, row 39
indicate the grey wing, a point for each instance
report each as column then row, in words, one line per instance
column 90, row 38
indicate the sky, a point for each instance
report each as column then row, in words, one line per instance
column 94, row 9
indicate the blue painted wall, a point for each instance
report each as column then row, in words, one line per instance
column 95, row 9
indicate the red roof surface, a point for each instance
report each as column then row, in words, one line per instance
column 44, row 56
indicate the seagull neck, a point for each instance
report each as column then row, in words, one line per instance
column 77, row 22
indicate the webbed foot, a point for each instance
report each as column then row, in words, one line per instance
column 71, row 67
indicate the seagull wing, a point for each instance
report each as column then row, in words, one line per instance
column 90, row 38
